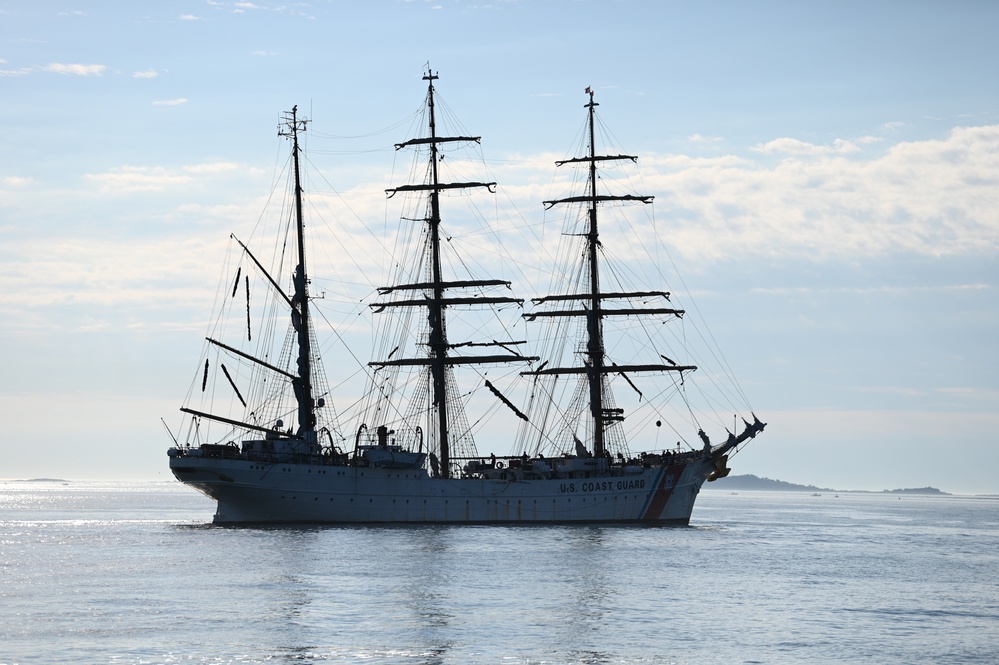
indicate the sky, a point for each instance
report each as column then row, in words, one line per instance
column 828, row 175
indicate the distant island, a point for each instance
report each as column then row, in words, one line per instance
column 750, row 482
column 918, row 490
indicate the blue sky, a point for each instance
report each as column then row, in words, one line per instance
column 828, row 174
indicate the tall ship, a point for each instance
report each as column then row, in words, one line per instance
column 263, row 439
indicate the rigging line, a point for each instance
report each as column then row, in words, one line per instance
column 714, row 344
column 721, row 392
column 609, row 138
column 719, row 386
column 362, row 367
column 661, row 403
column 712, row 347
column 377, row 132
column 339, row 153
column 350, row 251
column 486, row 416
column 568, row 415
column 714, row 405
column 690, row 410
column 278, row 175
column 348, row 206
column 341, row 384
column 614, row 268
column 493, row 245
column 336, row 333
column 660, row 411
column 220, row 304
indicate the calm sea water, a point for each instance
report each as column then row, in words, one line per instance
column 133, row 573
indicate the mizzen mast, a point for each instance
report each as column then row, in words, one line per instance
column 302, row 383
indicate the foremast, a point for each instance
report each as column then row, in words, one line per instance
column 439, row 360
column 595, row 365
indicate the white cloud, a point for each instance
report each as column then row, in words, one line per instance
column 929, row 198
column 904, row 391
column 146, row 74
column 215, row 167
column 128, row 179
column 189, row 17
column 928, row 290
column 972, row 394
column 75, row 69
column 15, row 181
column 171, row 102
column 136, row 179
column 87, row 272
column 933, row 198
column 789, row 146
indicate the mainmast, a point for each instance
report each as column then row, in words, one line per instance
column 300, row 299
column 595, row 367
column 438, row 338
column 434, row 298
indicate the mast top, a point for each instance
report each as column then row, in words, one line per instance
column 592, row 103
column 290, row 124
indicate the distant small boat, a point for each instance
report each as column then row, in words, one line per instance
column 419, row 464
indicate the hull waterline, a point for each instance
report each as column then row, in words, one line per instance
column 251, row 492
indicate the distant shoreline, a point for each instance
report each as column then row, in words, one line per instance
column 749, row 482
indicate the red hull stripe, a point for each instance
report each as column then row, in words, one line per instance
column 667, row 482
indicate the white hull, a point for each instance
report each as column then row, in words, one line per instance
column 252, row 492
